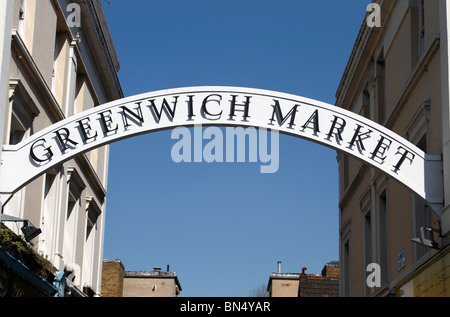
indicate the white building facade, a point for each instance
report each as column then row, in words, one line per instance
column 58, row 59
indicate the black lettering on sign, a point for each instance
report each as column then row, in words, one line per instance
column 279, row 115
column 246, row 106
column 46, row 155
column 64, row 140
column 106, row 120
column 358, row 139
column 314, row 120
column 170, row 113
column 206, row 113
column 405, row 155
column 337, row 128
column 381, row 149
column 127, row 113
column 85, row 128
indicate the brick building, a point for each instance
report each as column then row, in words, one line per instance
column 112, row 278
column 116, row 282
column 325, row 284
column 156, row 283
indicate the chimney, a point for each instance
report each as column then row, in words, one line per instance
column 303, row 274
column 279, row 266
column 331, row 269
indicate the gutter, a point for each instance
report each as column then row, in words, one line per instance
column 21, row 270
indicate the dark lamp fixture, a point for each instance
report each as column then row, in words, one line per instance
column 30, row 232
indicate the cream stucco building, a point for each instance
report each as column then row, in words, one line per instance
column 398, row 76
column 58, row 59
column 116, row 282
column 156, row 283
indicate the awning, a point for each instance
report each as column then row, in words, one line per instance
column 24, row 272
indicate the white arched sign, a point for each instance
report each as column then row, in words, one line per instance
column 224, row 106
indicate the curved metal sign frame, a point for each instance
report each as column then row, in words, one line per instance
column 224, row 106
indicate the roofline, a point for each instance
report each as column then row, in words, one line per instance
column 153, row 274
column 365, row 34
column 98, row 35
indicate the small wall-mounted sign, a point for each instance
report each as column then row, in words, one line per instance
column 401, row 259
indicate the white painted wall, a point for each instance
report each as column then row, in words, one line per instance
column 6, row 19
column 444, row 10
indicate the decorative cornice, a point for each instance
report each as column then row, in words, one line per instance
column 74, row 178
column 361, row 50
column 28, row 109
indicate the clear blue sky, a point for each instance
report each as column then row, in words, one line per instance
column 222, row 227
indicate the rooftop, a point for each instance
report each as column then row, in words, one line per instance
column 143, row 274
column 325, row 284
column 156, row 273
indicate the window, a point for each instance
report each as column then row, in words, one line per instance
column 365, row 110
column 383, row 237
column 57, row 81
column 368, row 238
column 421, row 28
column 417, row 9
column 64, row 72
column 93, row 212
column 17, row 131
column 346, row 269
column 21, row 114
column 366, row 209
column 90, row 258
column 22, row 111
column 367, row 244
column 71, row 229
column 381, row 90
column 345, row 232
column 50, row 214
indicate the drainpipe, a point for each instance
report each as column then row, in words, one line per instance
column 444, row 11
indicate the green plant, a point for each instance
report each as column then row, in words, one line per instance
column 12, row 244
column 19, row 249
column 47, row 267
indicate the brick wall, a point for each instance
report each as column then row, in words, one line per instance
column 112, row 278
column 283, row 285
column 149, row 287
column 331, row 270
